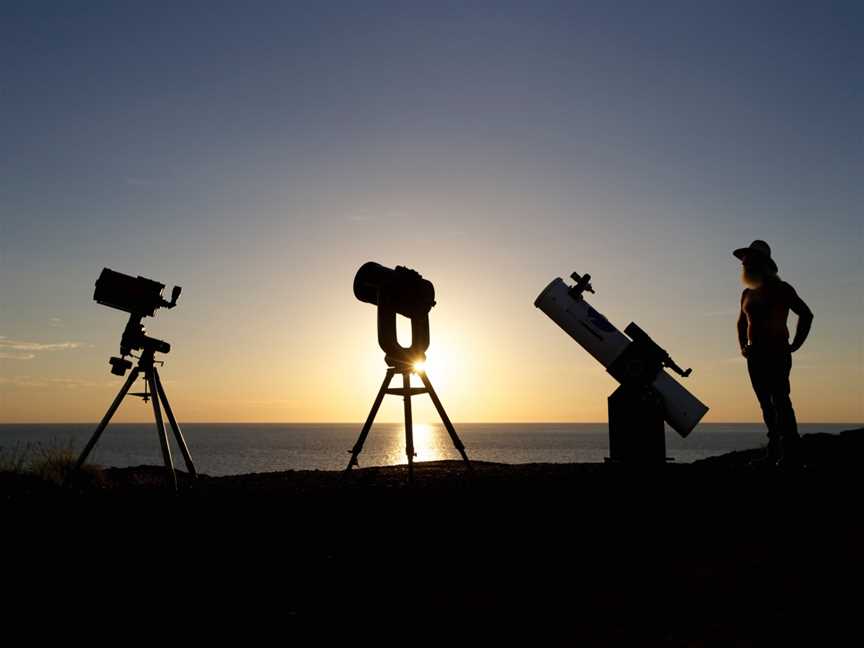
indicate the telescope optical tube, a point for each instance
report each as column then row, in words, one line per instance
column 605, row 343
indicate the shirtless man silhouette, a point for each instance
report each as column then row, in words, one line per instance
column 764, row 339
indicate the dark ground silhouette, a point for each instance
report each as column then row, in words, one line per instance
column 710, row 553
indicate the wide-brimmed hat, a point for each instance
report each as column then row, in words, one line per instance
column 760, row 248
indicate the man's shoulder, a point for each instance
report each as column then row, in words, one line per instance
column 784, row 292
column 785, row 287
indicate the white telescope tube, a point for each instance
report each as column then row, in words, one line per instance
column 605, row 343
column 581, row 322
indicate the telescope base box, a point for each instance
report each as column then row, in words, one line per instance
column 637, row 431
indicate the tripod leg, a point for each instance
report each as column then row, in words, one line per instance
column 160, row 428
column 358, row 447
column 457, row 442
column 409, row 430
column 133, row 376
column 181, row 442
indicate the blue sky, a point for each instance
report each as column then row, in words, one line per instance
column 258, row 153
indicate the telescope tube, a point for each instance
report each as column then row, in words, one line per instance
column 605, row 343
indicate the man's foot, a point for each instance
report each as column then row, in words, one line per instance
column 790, row 464
column 773, row 454
column 768, row 459
column 790, row 458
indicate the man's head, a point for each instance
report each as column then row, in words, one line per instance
column 757, row 264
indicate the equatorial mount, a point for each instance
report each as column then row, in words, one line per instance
column 140, row 297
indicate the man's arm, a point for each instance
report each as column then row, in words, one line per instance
column 805, row 319
column 742, row 326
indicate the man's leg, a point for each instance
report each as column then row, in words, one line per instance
column 760, row 378
column 787, row 425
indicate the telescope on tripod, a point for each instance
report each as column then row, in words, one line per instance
column 647, row 396
column 401, row 291
column 140, row 297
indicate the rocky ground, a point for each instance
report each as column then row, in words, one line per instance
column 717, row 552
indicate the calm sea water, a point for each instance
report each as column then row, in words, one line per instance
column 236, row 448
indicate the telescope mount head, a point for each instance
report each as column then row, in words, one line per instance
column 140, row 297
column 642, row 360
column 397, row 291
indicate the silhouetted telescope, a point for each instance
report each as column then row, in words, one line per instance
column 401, row 291
column 140, row 297
column 647, row 396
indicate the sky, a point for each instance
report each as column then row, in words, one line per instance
column 258, row 153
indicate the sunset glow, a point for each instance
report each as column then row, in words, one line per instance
column 261, row 177
column 536, row 319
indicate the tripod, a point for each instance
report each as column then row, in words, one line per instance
column 406, row 391
column 154, row 391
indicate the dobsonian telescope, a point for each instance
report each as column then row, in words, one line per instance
column 647, row 395
column 400, row 291
column 140, row 297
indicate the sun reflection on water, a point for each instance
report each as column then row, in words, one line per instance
column 429, row 444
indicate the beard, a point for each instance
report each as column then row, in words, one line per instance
column 752, row 277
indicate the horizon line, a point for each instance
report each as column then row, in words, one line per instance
column 401, row 423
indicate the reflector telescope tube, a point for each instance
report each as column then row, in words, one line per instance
column 600, row 338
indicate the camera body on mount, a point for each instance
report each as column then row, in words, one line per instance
column 137, row 295
column 140, row 297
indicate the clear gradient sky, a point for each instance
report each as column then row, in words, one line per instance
column 258, row 153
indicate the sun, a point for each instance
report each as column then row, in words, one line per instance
column 437, row 365
column 444, row 363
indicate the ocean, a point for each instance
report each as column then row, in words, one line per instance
column 237, row 448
